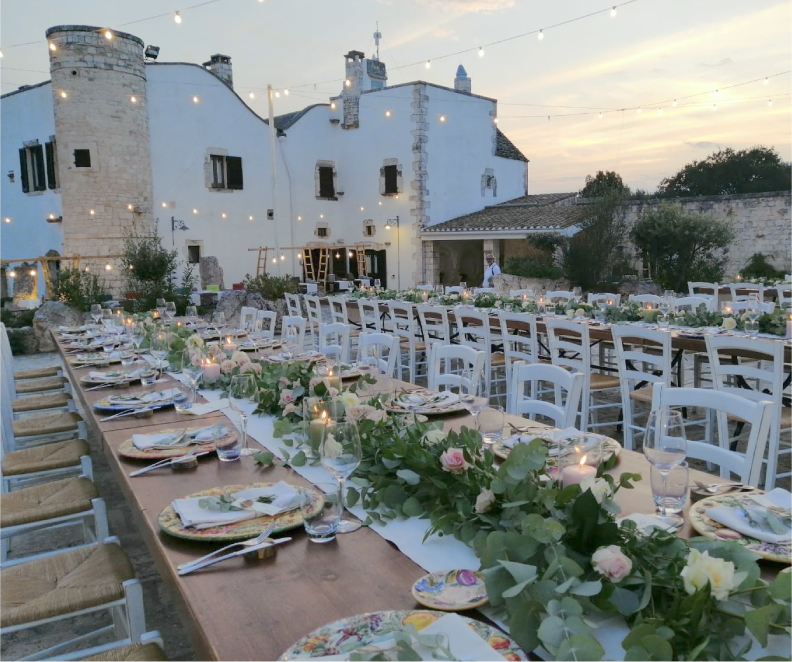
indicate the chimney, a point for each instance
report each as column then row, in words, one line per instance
column 220, row 66
column 362, row 75
column 462, row 80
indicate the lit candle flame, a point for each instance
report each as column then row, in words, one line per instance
column 582, row 460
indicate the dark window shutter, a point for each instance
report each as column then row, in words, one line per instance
column 82, row 158
column 23, row 171
column 391, row 182
column 51, row 174
column 234, row 172
column 326, row 187
column 38, row 162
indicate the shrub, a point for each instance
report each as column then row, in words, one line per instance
column 682, row 247
column 16, row 319
column 78, row 288
column 528, row 267
column 269, row 287
column 16, row 341
column 759, row 267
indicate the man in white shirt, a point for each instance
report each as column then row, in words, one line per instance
column 492, row 270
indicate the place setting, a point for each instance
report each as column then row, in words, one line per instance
column 174, row 443
column 426, row 402
column 551, row 438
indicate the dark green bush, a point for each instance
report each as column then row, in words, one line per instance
column 269, row 287
column 528, row 267
column 16, row 340
column 78, row 288
column 759, row 267
column 16, row 319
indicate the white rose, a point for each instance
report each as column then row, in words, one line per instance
column 611, row 562
column 729, row 323
column 580, row 313
column 348, row 398
column 599, row 487
column 376, row 415
column 525, row 304
column 433, row 437
column 240, row 358
column 484, row 501
column 701, row 568
column 499, row 304
column 195, row 341
column 332, row 448
column 570, row 313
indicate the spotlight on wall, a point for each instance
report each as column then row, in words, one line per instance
column 32, row 272
column 108, row 267
column 12, row 274
column 152, row 52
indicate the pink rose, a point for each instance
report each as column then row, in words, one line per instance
column 286, row 397
column 256, row 367
column 453, row 460
column 288, row 409
column 332, row 392
column 227, row 366
column 612, row 563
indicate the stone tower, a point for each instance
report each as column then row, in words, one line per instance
column 362, row 75
column 462, row 80
column 103, row 143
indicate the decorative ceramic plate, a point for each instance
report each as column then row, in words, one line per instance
column 94, row 357
column 712, row 529
column 128, row 449
column 170, row 522
column 120, row 376
column 609, row 447
column 433, row 404
column 451, row 590
column 122, row 402
column 299, row 356
column 365, row 628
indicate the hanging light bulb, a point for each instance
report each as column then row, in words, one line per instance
column 64, row 95
column 321, row 215
column 1, row 53
column 277, row 95
column 299, row 218
column 133, row 99
column 380, row 203
column 91, row 212
column 108, row 267
column 428, row 64
column 659, row 111
column 540, row 36
column 299, row 255
column 250, row 218
column 351, row 253
column 613, row 12
column 252, row 95
column 442, row 118
column 274, row 261
column 348, row 82
column 332, row 105
column 177, row 18
column 338, row 255
column 639, row 110
column 87, row 269
column 195, row 211
column 108, row 35
column 495, row 120
column 481, row 51
column 387, row 113
column 600, row 115
column 32, row 272
column 714, row 106
column 362, row 208
column 196, row 99
column 12, row 274
column 7, row 219
column 129, row 207
column 286, row 92
column 283, row 257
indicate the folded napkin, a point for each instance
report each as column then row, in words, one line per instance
column 147, row 398
column 463, row 642
column 111, row 376
column 169, row 439
column 753, row 519
column 548, row 434
column 440, row 399
column 207, row 408
column 284, row 498
column 646, row 523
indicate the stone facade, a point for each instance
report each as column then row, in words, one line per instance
column 99, row 94
column 419, row 191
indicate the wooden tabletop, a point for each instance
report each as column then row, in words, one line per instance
column 254, row 610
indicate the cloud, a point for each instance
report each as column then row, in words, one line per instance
column 701, row 144
column 725, row 62
column 471, row 6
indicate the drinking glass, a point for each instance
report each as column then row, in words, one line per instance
column 192, row 367
column 321, row 524
column 603, row 306
column 290, row 338
column 340, row 454
column 107, row 317
column 160, row 347
column 377, row 283
column 665, row 446
column 96, row 312
column 218, row 323
column 182, row 401
column 577, row 294
column 241, row 390
column 752, row 312
column 490, row 424
column 462, row 286
column 472, row 393
column 675, row 488
column 160, row 306
column 191, row 313
column 669, row 294
column 170, row 310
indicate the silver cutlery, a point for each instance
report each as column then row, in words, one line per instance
column 130, row 412
column 167, row 462
column 714, row 487
column 107, row 385
column 263, row 545
column 252, row 542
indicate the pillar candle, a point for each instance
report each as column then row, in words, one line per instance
column 211, row 372
column 574, row 474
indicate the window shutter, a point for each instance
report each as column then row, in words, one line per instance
column 391, row 185
column 326, row 187
column 234, row 172
column 23, row 171
column 38, row 162
column 51, row 174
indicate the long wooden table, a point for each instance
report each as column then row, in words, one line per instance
column 241, row 610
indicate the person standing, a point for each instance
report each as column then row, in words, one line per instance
column 492, row 270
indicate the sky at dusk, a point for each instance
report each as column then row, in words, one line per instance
column 652, row 51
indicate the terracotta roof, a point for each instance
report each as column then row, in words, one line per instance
column 539, row 200
column 506, row 149
column 516, row 215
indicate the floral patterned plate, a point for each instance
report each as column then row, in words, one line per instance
column 451, row 590
column 610, row 447
column 429, row 403
column 110, row 376
column 171, row 523
column 95, row 357
column 128, row 449
column 712, row 529
column 330, row 639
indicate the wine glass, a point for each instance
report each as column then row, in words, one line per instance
column 218, row 323
column 377, row 283
column 160, row 306
column 290, row 339
column 191, row 313
column 577, row 294
column 170, row 310
column 665, row 446
column 669, row 294
column 107, row 318
column 243, row 388
column 192, row 364
column 340, row 453
column 472, row 393
column 160, row 347
column 752, row 312
column 96, row 312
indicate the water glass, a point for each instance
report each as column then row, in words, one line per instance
column 230, row 450
column 321, row 523
column 663, row 321
column 191, row 313
column 160, row 306
column 490, row 424
column 670, row 498
column 182, row 400
column 96, row 312
column 241, row 391
column 148, row 376
column 340, row 454
column 665, row 443
column 170, row 310
column 127, row 358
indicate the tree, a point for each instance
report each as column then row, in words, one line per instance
column 682, row 247
column 754, row 170
column 603, row 184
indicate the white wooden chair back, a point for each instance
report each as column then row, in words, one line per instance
column 758, row 414
column 334, row 340
column 559, row 295
column 370, row 319
column 529, row 292
column 520, row 340
column 569, row 345
column 268, row 319
column 784, row 295
column 702, row 289
column 764, row 306
column 453, row 289
column 692, row 303
column 434, row 324
column 449, row 365
column 645, row 298
column 385, row 346
column 426, row 288
column 562, row 410
column 7, row 366
column 485, row 290
column 338, row 310
column 595, row 298
column 293, row 305
column 246, row 315
column 297, row 322
column 473, row 328
column 313, row 307
column 748, row 289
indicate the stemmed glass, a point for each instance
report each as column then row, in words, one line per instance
column 243, row 388
column 472, row 390
column 377, row 283
column 137, row 335
column 170, row 311
column 191, row 313
column 192, row 367
column 752, row 312
column 160, row 306
column 664, row 307
column 340, row 453
column 218, row 323
column 665, row 446
column 96, row 312
column 577, row 294
column 107, row 318
column 160, row 347
column 290, row 339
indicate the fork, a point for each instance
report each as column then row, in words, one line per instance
column 260, row 538
column 714, row 487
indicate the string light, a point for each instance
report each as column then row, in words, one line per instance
column 540, row 36
column 338, row 255
column 321, row 215
column 299, row 218
column 7, row 219
column 362, row 209
column 348, row 82
column 51, row 216
column 133, row 99
column 380, row 203
column 333, row 105
column 639, row 110
column 277, row 95
column 286, row 92
column 600, row 115
column 714, row 106
column 676, row 103
column 108, row 267
column 64, row 95
column 442, row 118
column 195, row 211
column 250, row 218
column 351, row 254
column 495, row 120
column 1, row 53
column 12, row 274
column 659, row 111
column 387, row 113
column 769, row 102
column 274, row 260
column 91, row 212
column 196, row 99
column 177, row 17
column 613, row 12
column 108, row 35
column 87, row 269
column 428, row 64
column 223, row 215
column 481, row 51
column 130, row 207
column 164, row 205
column 32, row 272
column 767, row 81
column 252, row 95
column 52, row 46
column 283, row 257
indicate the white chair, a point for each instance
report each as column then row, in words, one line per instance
column 735, row 360
column 609, row 297
column 246, row 315
column 570, row 348
column 530, row 293
column 111, row 587
column 453, row 289
column 692, row 303
column 454, row 367
column 557, row 296
column 758, row 414
column 563, row 412
column 520, row 340
column 473, row 329
column 334, row 341
column 748, row 289
column 370, row 319
column 384, row 346
column 643, row 357
column 646, row 298
column 269, row 320
column 293, row 305
column 784, row 295
column 709, row 290
column 338, row 310
column 412, row 351
column 425, row 288
column 434, row 324
column 299, row 323
column 313, row 307
column 485, row 290
column 764, row 306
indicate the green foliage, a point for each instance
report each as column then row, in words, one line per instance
column 150, row 271
column 16, row 340
column 759, row 267
column 16, row 319
column 682, row 247
column 532, row 268
column 80, row 289
column 271, row 288
column 604, row 184
column 755, row 170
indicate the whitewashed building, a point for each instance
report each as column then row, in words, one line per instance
column 116, row 141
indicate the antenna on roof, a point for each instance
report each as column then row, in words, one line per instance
column 377, row 37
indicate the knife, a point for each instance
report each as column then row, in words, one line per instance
column 246, row 550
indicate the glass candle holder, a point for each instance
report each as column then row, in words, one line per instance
column 317, row 414
column 578, row 458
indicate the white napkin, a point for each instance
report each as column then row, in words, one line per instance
column 421, row 400
column 207, row 408
column 646, row 523
column 149, row 398
column 144, row 441
column 548, row 434
column 461, row 641
column 736, row 518
column 192, row 515
column 95, row 374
